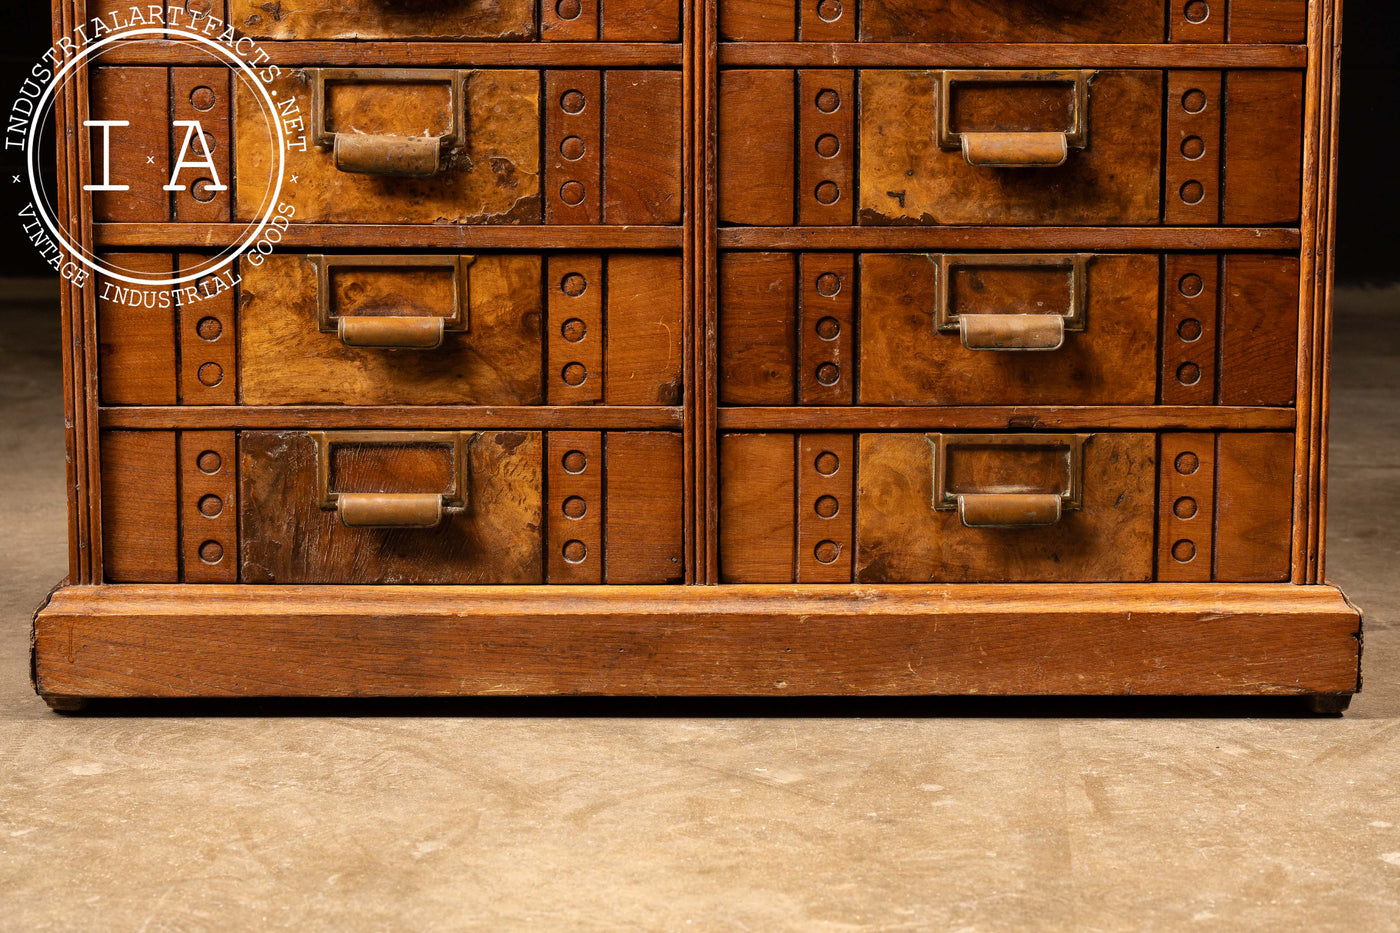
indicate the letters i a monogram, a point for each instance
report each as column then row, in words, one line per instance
column 194, row 132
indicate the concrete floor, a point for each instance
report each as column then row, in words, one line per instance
column 825, row 817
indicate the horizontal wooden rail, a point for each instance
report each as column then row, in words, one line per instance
column 997, row 55
column 1014, row 418
column 392, row 236
column 1103, row 239
column 427, row 54
column 360, row 641
column 417, row 417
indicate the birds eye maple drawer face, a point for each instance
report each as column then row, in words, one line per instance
column 503, row 20
column 1134, row 21
column 379, row 507
column 492, row 328
column 1078, row 147
column 823, row 328
column 405, row 145
column 965, row 507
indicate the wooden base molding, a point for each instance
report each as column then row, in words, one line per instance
column 361, row 641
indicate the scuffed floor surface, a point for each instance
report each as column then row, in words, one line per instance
column 848, row 817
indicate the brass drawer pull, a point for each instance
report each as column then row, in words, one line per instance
column 419, row 332
column 1007, row 501
column 395, row 156
column 392, row 509
column 1009, row 331
column 1014, row 149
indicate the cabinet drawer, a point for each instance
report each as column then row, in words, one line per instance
column 383, row 329
column 1060, row 148
column 407, row 507
column 399, row 146
column 958, row 507
column 1134, row 21
column 1007, row 329
column 447, row 20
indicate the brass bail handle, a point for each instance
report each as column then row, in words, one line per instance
column 393, row 156
column 1008, row 509
column 1019, row 332
column 386, row 332
column 392, row 509
column 1014, row 149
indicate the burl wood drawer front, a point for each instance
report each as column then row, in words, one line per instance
column 505, row 20
column 957, row 507
column 1007, row 329
column 402, row 146
column 881, row 147
column 1013, row 21
column 380, row 507
column 390, row 329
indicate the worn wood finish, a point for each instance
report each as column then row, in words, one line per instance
column 906, row 360
column 1186, row 508
column 140, row 507
column 714, row 493
column 286, row 537
column 1114, row 180
column 135, row 155
column 137, row 345
column 761, row 640
column 208, row 507
column 1254, row 473
column 287, row 360
column 902, row 538
column 208, row 335
column 502, row 110
column 374, row 19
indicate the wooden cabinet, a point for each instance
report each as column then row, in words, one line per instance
column 632, row 347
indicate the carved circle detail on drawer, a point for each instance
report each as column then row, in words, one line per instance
column 211, row 552
column 827, row 506
column 1185, row 508
column 211, row 506
column 1193, row 192
column 209, row 328
column 829, row 11
column 575, row 508
column 828, row 146
column 575, row 374
column 203, row 99
column 203, row 190
column 568, row 9
column 827, row 463
column 572, row 148
column 1187, row 463
column 1193, row 147
column 1193, row 101
column 827, row 551
column 1184, row 551
column 573, row 284
column 1188, row 374
column 572, row 193
column 575, row 552
column 1191, row 285
column 573, row 101
column 828, row 284
column 828, row 328
column 201, row 7
column 1197, row 11
column 573, row 330
column 828, row 374
column 209, row 462
column 211, row 374
column 575, row 462
column 1189, row 330
column 827, row 193
column 828, row 100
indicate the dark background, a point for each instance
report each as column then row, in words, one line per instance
column 1368, row 234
